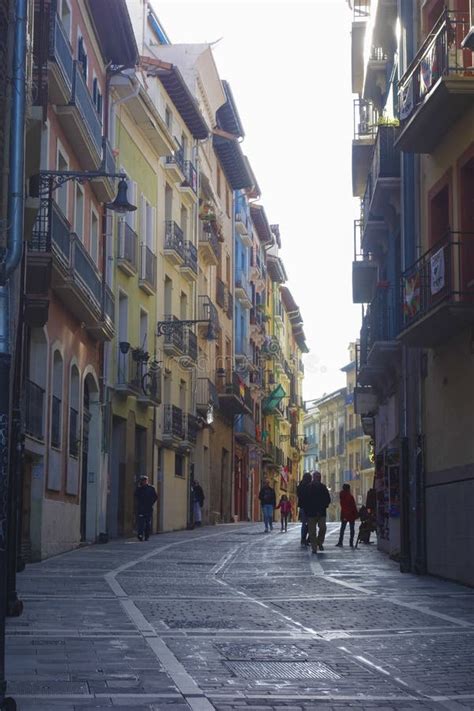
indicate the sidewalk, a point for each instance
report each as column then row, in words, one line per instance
column 224, row 617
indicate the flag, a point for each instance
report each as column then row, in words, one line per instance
column 437, row 268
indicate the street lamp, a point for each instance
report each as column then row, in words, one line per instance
column 51, row 180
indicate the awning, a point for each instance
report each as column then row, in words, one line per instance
column 259, row 219
column 232, row 159
column 227, row 116
column 178, row 91
column 276, row 269
column 291, row 306
column 119, row 45
column 272, row 401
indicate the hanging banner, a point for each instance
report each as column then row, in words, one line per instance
column 437, row 268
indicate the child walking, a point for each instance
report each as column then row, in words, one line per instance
column 285, row 510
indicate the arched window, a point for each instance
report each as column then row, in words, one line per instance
column 57, row 401
column 74, row 413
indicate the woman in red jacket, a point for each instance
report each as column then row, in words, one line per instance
column 285, row 511
column 349, row 514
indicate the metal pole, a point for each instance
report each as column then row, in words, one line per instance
column 13, row 256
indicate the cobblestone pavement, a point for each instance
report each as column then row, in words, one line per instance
column 226, row 618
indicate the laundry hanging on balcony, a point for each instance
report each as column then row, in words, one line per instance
column 437, row 268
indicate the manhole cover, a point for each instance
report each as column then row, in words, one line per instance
column 282, row 670
column 47, row 688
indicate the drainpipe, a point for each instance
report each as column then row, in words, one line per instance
column 11, row 262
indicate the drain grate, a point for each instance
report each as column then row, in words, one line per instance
column 282, row 670
column 47, row 688
column 244, row 652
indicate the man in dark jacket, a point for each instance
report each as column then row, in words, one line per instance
column 145, row 498
column 305, row 481
column 315, row 499
column 268, row 503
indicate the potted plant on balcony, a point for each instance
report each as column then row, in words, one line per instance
column 207, row 212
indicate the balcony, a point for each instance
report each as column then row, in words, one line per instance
column 257, row 327
column 230, row 307
column 131, row 367
column 257, row 273
column 81, row 123
column 365, row 129
column 383, row 183
column 209, row 247
column 191, row 345
column 173, row 430
column 222, row 294
column 234, row 394
column 208, row 312
column 244, row 428
column 438, row 86
column 379, row 349
column 354, row 433
column 105, row 188
column 173, row 344
column 73, row 275
column 243, row 229
column 189, row 268
column 147, row 274
column 174, row 166
column 243, row 292
column 375, row 80
column 438, row 292
column 364, row 270
column 269, row 454
column 34, row 410
column 206, row 395
column 53, row 60
column 361, row 12
column 174, row 243
column 150, row 393
column 127, row 249
column 190, row 431
column 188, row 188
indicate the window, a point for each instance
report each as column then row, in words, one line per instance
column 227, row 202
column 62, row 163
column 97, row 97
column 182, row 395
column 56, row 400
column 82, row 57
column 79, row 211
column 130, row 217
column 94, row 238
column 227, row 270
column 64, row 12
column 218, row 181
column 178, row 465
column 143, row 329
column 74, row 413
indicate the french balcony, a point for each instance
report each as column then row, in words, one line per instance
column 209, row 246
column 150, row 392
column 174, row 342
column 131, row 366
column 364, row 270
column 206, row 395
column 208, row 312
column 245, row 430
column 438, row 86
column 379, row 350
column 222, row 294
column 81, row 123
column 360, row 16
column 147, row 273
column 54, row 83
column 375, row 79
column 365, row 129
column 190, row 431
column 173, row 426
column 189, row 268
column 174, row 250
column 127, row 249
column 188, row 188
column 234, row 394
column 71, row 272
column 105, row 188
column 34, row 410
column 174, row 166
column 243, row 292
column 438, row 292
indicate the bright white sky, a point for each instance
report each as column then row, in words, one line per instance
column 288, row 64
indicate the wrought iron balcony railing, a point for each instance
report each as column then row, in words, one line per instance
column 127, row 247
column 190, row 427
column 173, row 422
column 190, row 175
column 206, row 394
column 174, row 238
column 190, row 256
column 380, row 322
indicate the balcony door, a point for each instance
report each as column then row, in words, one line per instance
column 467, row 228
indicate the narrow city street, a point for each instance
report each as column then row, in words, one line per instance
column 228, row 618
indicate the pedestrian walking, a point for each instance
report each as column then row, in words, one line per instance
column 198, row 502
column 306, row 479
column 285, row 510
column 145, row 499
column 267, row 502
column 315, row 500
column 349, row 514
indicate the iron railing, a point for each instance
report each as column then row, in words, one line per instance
column 177, row 158
column 380, row 322
column 83, row 101
column 190, row 175
column 174, row 238
column 207, row 236
column 206, row 394
column 365, row 119
column 442, row 274
column 230, row 306
column 207, row 311
column 190, row 427
column 191, row 345
column 34, row 409
column 221, row 293
column 361, row 9
column 176, row 337
column 190, row 256
column 440, row 55
column 385, row 164
column 60, row 49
